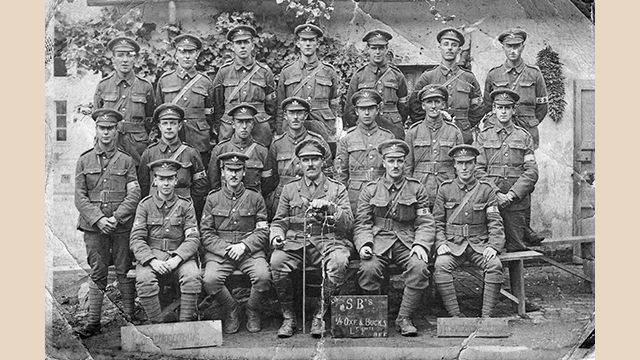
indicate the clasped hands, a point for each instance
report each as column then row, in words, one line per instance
column 165, row 267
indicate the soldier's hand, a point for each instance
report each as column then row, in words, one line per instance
column 322, row 205
column 366, row 253
column 236, row 251
column 420, row 252
column 443, row 250
column 503, row 200
column 277, row 243
column 159, row 266
column 173, row 262
column 105, row 226
column 488, row 254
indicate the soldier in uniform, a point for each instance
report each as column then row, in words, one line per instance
column 244, row 80
column 281, row 152
column 465, row 97
column 164, row 240
column 357, row 159
column 129, row 94
column 193, row 91
column 323, row 205
column 235, row 236
column 430, row 141
column 394, row 225
column 192, row 177
column 106, row 196
column 258, row 170
column 507, row 161
column 313, row 80
column 468, row 227
column 385, row 78
column 524, row 79
column 527, row 81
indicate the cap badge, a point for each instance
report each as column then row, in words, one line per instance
column 185, row 41
column 378, row 35
column 366, row 94
column 170, row 111
column 235, row 159
column 105, row 117
column 308, row 28
column 240, row 32
column 165, row 165
column 294, row 102
column 243, row 110
column 463, row 152
column 124, row 42
column 503, row 96
column 394, row 147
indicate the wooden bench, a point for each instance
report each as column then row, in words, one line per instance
column 570, row 240
column 514, row 261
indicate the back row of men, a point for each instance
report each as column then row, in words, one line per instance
column 108, row 192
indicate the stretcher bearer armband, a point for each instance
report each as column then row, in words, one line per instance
column 542, row 100
column 423, row 211
column 492, row 209
column 529, row 157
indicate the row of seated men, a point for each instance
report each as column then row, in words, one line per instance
column 395, row 220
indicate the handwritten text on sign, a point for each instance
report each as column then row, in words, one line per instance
column 358, row 316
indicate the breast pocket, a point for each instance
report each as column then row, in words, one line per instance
column 449, row 207
column 258, row 89
column 390, row 92
column 517, row 150
column 479, row 214
column 379, row 203
column 365, row 85
column 527, row 92
column 219, row 215
column 406, row 210
column 323, row 87
column 139, row 102
column 176, row 221
column 461, row 101
column 91, row 177
column 445, row 146
column 199, row 94
column 247, row 218
column 109, row 99
column 118, row 179
column 285, row 163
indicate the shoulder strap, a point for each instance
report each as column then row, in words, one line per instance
column 185, row 89
column 244, row 81
column 382, row 76
column 306, row 80
column 458, row 74
column 464, row 202
column 180, row 150
column 250, row 149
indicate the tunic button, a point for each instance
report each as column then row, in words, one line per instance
column 234, row 210
column 166, row 218
column 166, row 230
column 105, row 180
column 104, row 169
column 233, row 198
column 185, row 99
column 123, row 109
column 466, row 213
column 235, row 222
column 433, row 141
column 124, row 96
column 506, row 154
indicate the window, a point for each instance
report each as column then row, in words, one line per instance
column 61, row 120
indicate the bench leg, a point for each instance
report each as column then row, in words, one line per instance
column 516, row 278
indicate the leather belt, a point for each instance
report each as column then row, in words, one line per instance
column 131, row 127
column 319, row 104
column 164, row 244
column 505, row 171
column 391, row 224
column 232, row 237
column 434, row 167
column 194, row 113
column 467, row 230
column 366, row 175
column 389, row 108
column 107, row 196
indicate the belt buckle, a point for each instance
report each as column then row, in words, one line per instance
column 104, row 194
column 465, row 230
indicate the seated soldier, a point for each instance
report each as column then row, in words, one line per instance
column 322, row 204
column 394, row 226
column 234, row 235
column 468, row 227
column 164, row 240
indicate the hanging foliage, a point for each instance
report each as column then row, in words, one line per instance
column 549, row 63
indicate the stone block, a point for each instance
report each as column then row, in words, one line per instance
column 160, row 338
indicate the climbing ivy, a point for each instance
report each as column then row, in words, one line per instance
column 549, row 63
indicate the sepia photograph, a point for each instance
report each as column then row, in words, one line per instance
column 320, row 179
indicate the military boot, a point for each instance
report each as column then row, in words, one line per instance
column 289, row 324
column 253, row 311
column 410, row 302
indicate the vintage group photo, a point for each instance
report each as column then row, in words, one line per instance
column 308, row 179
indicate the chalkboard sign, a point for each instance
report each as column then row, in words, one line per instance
column 359, row 316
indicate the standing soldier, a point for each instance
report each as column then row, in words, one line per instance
column 385, row 78
column 326, row 203
column 507, row 161
column 193, row 91
column 527, row 81
column 430, row 141
column 282, row 157
column 130, row 94
column 394, row 225
column 357, row 159
column 106, row 196
column 522, row 78
column 468, row 227
column 164, row 240
column 192, row 177
column 313, row 80
column 258, row 170
column 244, row 80
column 234, row 235
column 465, row 97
